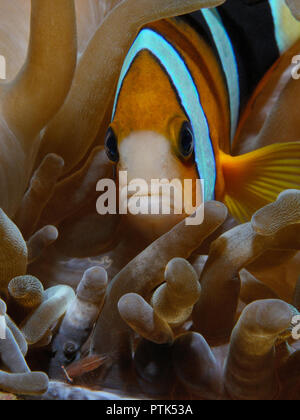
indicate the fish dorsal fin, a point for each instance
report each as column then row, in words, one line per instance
column 256, row 179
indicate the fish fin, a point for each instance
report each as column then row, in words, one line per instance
column 257, row 178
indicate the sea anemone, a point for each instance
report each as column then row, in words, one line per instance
column 222, row 294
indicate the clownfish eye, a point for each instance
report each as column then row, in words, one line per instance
column 111, row 146
column 186, row 140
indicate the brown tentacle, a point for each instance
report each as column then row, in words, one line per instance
column 44, row 81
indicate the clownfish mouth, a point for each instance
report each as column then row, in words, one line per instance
column 152, row 214
column 155, row 205
column 166, row 202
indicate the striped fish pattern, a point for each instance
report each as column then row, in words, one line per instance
column 213, row 60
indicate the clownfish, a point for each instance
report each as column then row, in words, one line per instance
column 182, row 91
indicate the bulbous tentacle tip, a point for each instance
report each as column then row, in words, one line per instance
column 142, row 318
column 80, row 317
column 250, row 371
column 175, row 299
column 182, row 280
column 93, row 285
column 275, row 216
column 218, row 209
column 56, row 301
column 27, row 291
column 198, row 368
column 41, row 240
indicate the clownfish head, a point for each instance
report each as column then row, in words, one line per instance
column 151, row 139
